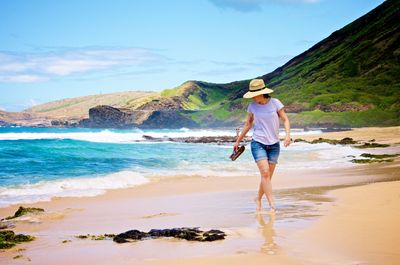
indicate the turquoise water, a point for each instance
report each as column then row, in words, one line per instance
column 39, row 163
column 30, row 161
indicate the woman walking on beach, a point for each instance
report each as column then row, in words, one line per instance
column 264, row 112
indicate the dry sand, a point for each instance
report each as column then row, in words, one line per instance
column 357, row 228
column 390, row 135
column 361, row 227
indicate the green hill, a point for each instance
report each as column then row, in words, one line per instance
column 351, row 78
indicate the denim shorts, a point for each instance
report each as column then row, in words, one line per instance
column 265, row 151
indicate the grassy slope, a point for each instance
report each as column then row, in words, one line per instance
column 77, row 108
column 209, row 102
column 356, row 66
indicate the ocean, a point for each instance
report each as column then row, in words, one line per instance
column 37, row 164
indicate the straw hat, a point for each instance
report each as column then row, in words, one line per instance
column 257, row 87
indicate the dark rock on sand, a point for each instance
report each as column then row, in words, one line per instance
column 371, row 145
column 368, row 161
column 372, row 158
column 23, row 211
column 213, row 235
column 190, row 234
column 346, row 140
column 8, row 239
column 130, row 235
column 95, row 237
column 378, row 156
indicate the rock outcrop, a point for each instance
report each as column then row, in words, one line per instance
column 169, row 119
column 109, row 117
column 23, row 211
column 190, row 234
column 9, row 239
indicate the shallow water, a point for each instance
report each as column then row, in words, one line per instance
column 232, row 212
column 39, row 163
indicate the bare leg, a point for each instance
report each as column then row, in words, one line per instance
column 271, row 169
column 266, row 171
column 260, row 189
column 258, row 198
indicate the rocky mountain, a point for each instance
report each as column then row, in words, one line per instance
column 351, row 78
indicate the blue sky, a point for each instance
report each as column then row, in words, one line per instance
column 57, row 49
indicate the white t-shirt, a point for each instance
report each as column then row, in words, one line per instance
column 266, row 121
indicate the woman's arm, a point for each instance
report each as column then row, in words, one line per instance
column 286, row 123
column 246, row 128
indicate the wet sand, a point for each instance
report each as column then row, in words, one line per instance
column 360, row 227
column 226, row 203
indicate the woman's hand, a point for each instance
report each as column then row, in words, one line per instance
column 287, row 141
column 236, row 146
column 246, row 128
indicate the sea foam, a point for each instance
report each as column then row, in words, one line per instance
column 76, row 187
column 128, row 136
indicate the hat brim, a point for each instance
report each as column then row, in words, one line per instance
column 251, row 94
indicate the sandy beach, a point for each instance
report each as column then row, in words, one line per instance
column 359, row 228
column 390, row 135
column 329, row 216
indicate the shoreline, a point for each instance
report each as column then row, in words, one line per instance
column 196, row 184
column 209, row 202
column 160, row 205
column 381, row 135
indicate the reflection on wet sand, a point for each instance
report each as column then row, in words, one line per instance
column 268, row 232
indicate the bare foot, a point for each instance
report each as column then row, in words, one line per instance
column 258, row 204
column 272, row 210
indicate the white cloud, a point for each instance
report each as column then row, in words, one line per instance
column 255, row 5
column 21, row 78
column 35, row 67
column 69, row 66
